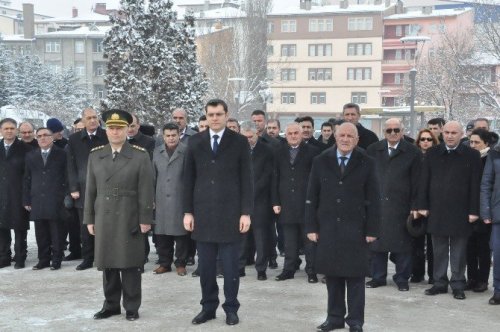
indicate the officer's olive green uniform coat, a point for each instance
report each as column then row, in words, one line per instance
column 119, row 197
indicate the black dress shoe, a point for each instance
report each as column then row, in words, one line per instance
column 312, row 278
column 85, row 265
column 232, row 318
column 470, row 284
column 436, row 290
column 242, row 272
column 104, row 313
column 431, row 281
column 273, row 264
column 403, row 287
column 195, row 273
column 416, row 279
column 329, row 326
column 19, row 265
column 458, row 294
column 40, row 266
column 495, row 299
column 375, row 284
column 480, row 287
column 131, row 315
column 355, row 328
column 190, row 261
column 55, row 266
column 297, row 264
column 202, row 317
column 284, row 276
column 72, row 257
column 261, row 276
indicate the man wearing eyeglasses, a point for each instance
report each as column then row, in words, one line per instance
column 397, row 166
column 44, row 189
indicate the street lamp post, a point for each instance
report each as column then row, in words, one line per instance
column 413, row 115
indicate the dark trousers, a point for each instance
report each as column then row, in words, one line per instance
column 479, row 256
column 422, row 250
column 295, row 238
column 87, row 240
column 192, row 247
column 207, row 255
column 276, row 238
column 20, row 245
column 116, row 281
column 402, row 260
column 454, row 250
column 495, row 247
column 355, row 300
column 261, row 241
column 72, row 230
column 49, row 240
column 165, row 250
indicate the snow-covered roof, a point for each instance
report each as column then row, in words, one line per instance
column 479, row 2
column 198, row 32
column 331, row 9
column 91, row 17
column 20, row 11
column 202, row 2
column 434, row 13
column 95, row 31
column 226, row 12
column 14, row 38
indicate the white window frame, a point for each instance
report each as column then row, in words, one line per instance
column 53, row 46
column 288, row 98
column 289, row 48
column 318, row 98
column 360, row 24
column 359, row 97
column 288, row 25
column 79, row 46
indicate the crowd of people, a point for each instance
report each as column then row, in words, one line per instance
column 236, row 193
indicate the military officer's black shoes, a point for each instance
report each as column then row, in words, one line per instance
column 132, row 315
column 104, row 313
column 232, row 318
column 85, row 265
column 261, row 275
column 40, row 266
column 312, row 278
column 403, row 286
column 203, row 317
column 329, row 326
column 284, row 276
column 436, row 290
column 458, row 294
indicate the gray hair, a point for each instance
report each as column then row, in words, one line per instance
column 248, row 126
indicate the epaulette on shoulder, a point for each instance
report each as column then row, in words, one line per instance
column 137, row 147
column 97, row 148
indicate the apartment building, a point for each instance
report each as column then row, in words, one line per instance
column 321, row 57
column 12, row 19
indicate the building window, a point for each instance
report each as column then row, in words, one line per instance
column 358, row 97
column 97, row 46
column 360, row 23
column 318, row 97
column 320, row 49
column 288, row 26
column 399, row 78
column 54, row 67
column 320, row 74
column 288, row 97
column 99, row 68
column 270, row 74
column 288, row 50
column 270, row 50
column 99, row 91
column 320, row 25
column 270, row 27
column 359, row 74
column 79, row 46
column 80, row 69
column 288, row 75
column 359, row 49
column 53, row 46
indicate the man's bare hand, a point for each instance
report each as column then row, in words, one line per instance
column 425, row 213
column 27, row 207
column 277, row 209
column 75, row 195
column 487, row 221
column 313, row 237
column 188, row 222
column 370, row 239
column 473, row 218
column 91, row 229
column 244, row 223
column 145, row 228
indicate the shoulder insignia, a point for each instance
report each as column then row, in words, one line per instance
column 137, row 147
column 97, row 148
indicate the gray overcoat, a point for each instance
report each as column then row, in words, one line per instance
column 118, row 198
column 168, row 199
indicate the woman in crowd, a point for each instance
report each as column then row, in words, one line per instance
column 425, row 140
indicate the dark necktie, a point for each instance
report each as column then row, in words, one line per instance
column 342, row 165
column 45, row 154
column 293, row 154
column 215, row 147
column 7, row 147
column 391, row 151
column 115, row 154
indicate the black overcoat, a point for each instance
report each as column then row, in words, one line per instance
column 45, row 186
column 262, row 163
column 398, row 177
column 366, row 136
column 12, row 213
column 78, row 149
column 450, row 189
column 343, row 210
column 218, row 188
column 144, row 141
column 290, row 182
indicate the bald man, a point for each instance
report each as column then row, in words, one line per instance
column 449, row 195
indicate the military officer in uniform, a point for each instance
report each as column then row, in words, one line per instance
column 119, row 194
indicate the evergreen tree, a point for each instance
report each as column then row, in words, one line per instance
column 152, row 66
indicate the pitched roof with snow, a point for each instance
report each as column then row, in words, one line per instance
column 280, row 9
column 434, row 13
column 91, row 17
column 94, row 31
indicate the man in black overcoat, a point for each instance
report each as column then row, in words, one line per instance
column 262, row 223
column 307, row 125
column 342, row 217
column 218, row 202
column 45, row 186
column 78, row 149
column 352, row 113
column 449, row 195
column 398, row 166
column 290, row 177
column 12, row 213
